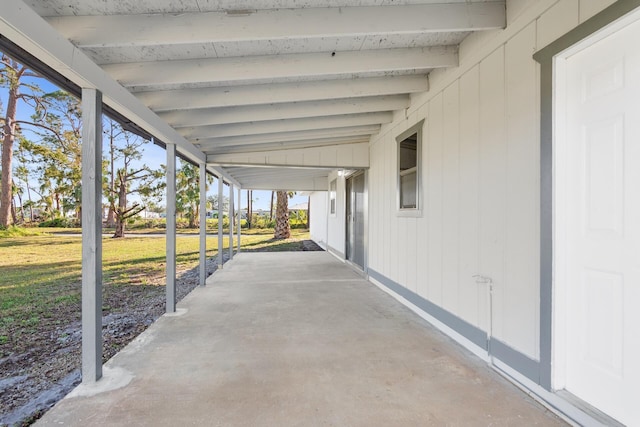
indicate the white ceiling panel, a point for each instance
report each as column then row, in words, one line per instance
column 48, row 8
column 223, row 77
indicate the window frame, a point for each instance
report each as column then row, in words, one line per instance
column 416, row 211
column 333, row 193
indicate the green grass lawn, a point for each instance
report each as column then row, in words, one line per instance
column 41, row 274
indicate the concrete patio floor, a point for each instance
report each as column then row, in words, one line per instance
column 296, row 339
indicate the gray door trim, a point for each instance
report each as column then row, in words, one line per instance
column 365, row 218
column 545, row 57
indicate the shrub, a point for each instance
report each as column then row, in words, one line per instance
column 60, row 223
column 13, row 231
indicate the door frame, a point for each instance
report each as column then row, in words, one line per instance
column 553, row 298
column 365, row 237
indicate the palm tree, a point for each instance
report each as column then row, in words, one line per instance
column 283, row 229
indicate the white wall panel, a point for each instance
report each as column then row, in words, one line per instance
column 493, row 156
column 373, row 196
column 318, row 219
column 403, row 251
column 336, row 223
column 588, row 8
column 480, row 177
column 412, row 254
column 433, row 170
column 520, row 306
column 390, row 218
column 393, row 242
column 471, row 299
column 451, row 197
column 556, row 21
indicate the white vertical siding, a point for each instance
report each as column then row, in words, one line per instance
column 493, row 168
column 523, row 187
column 318, row 220
column 471, row 299
column 480, row 159
column 432, row 171
column 451, row 198
column 336, row 237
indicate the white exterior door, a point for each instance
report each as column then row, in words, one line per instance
column 599, row 213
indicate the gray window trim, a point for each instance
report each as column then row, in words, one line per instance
column 418, row 129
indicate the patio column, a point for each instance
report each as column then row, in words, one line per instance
column 220, row 217
column 239, row 216
column 203, row 224
column 171, row 228
column 231, row 221
column 91, row 235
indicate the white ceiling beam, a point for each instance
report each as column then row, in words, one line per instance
column 280, row 126
column 284, row 137
column 289, row 145
column 241, row 173
column 28, row 30
column 252, row 68
column 232, row 96
column 293, row 110
column 312, row 183
column 281, row 24
column 347, row 156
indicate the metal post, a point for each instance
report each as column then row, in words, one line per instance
column 220, row 216
column 171, row 228
column 239, row 216
column 91, row 235
column 231, row 221
column 203, row 224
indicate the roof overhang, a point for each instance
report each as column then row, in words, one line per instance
column 270, row 94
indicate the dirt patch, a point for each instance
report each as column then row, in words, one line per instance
column 45, row 366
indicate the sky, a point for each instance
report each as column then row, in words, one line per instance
column 153, row 155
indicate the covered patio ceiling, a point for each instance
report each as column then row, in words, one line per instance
column 272, row 94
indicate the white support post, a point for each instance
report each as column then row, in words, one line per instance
column 231, row 221
column 171, row 228
column 203, row 223
column 91, row 236
column 239, row 216
column 220, row 217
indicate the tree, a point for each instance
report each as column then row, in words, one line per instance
column 213, row 201
column 188, row 193
column 112, row 131
column 23, row 174
column 271, row 208
column 57, row 124
column 146, row 182
column 283, row 228
column 249, row 208
column 11, row 75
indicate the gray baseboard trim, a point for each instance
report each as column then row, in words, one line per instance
column 474, row 334
column 336, row 252
column 519, row 362
column 525, row 365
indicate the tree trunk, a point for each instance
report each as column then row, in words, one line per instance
column 308, row 212
column 195, row 215
column 7, row 156
column 249, row 209
column 112, row 186
column 13, row 211
column 271, row 208
column 283, row 229
column 21, row 208
column 56, row 197
column 30, row 201
column 119, row 231
column 121, row 210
